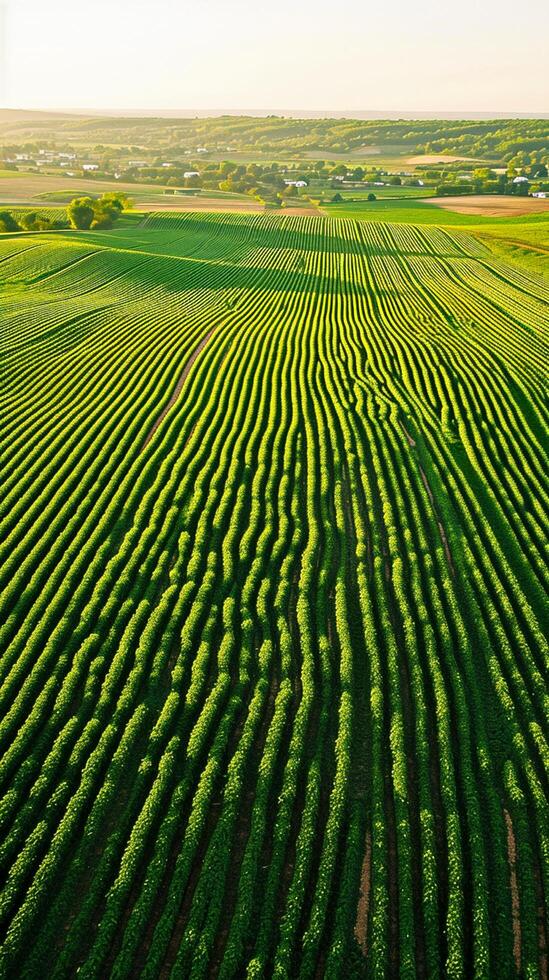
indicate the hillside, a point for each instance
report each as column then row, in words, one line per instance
column 274, row 601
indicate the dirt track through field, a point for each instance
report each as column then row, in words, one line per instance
column 178, row 387
column 512, row 852
column 441, row 530
column 361, row 924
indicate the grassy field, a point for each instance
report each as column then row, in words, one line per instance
column 14, row 189
column 382, row 193
column 423, row 208
column 389, row 209
column 274, row 602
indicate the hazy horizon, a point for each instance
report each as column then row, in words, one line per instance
column 372, row 114
column 136, row 57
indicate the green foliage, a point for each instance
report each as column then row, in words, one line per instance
column 96, row 213
column 81, row 213
column 8, row 222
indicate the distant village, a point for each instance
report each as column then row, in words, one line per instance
column 203, row 167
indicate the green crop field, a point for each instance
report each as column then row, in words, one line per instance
column 273, row 601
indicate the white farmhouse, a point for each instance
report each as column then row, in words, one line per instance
column 295, row 183
column 539, row 194
column 191, row 173
column 90, row 166
column 520, row 180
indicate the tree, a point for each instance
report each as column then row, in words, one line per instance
column 28, row 220
column 371, row 197
column 115, row 199
column 484, row 173
column 80, row 212
column 337, row 198
column 8, row 222
column 102, row 220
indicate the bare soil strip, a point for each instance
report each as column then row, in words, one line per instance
column 515, row 902
column 361, row 924
column 441, row 530
column 411, row 442
column 178, row 387
column 492, row 205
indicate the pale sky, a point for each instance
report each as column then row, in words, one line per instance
column 476, row 55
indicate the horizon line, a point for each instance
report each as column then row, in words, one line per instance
column 297, row 113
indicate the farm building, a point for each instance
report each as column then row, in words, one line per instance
column 191, row 173
column 90, row 166
column 295, row 183
column 539, row 194
column 521, row 180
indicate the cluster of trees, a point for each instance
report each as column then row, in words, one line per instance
column 82, row 213
column 100, row 213
column 29, row 221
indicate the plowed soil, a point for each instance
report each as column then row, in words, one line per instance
column 493, row 205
